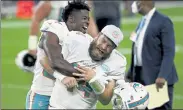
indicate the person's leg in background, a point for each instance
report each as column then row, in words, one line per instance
column 127, row 5
column 170, row 93
column 36, row 2
column 101, row 23
column 138, row 73
column 114, row 21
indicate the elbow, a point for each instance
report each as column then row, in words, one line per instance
column 105, row 102
column 59, row 66
column 55, row 65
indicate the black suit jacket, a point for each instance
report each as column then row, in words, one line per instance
column 158, row 51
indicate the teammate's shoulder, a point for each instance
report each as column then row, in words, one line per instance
column 116, row 55
column 77, row 34
column 89, row 37
column 58, row 28
column 52, row 24
column 50, row 21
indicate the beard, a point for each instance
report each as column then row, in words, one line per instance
column 92, row 54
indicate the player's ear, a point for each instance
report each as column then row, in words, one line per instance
column 71, row 18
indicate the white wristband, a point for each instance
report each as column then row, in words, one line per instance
column 97, row 85
column 32, row 42
column 58, row 75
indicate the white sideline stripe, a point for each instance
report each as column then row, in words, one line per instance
column 179, row 48
column 15, row 24
column 13, row 86
column 135, row 20
column 124, row 51
column 20, row 24
column 26, row 87
column 178, row 96
column 127, row 51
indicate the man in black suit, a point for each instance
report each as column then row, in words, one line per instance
column 153, row 50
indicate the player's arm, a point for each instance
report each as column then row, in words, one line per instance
column 69, row 82
column 92, row 28
column 106, row 96
column 42, row 10
column 49, row 42
column 98, row 83
column 45, row 63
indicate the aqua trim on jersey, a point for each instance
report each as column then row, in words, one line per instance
column 46, row 74
column 37, row 101
column 85, row 88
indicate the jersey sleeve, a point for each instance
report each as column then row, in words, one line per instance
column 55, row 27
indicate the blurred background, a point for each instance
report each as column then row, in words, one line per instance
column 15, row 22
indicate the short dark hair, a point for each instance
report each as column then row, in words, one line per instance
column 73, row 6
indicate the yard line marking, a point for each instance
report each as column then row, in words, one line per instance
column 27, row 87
column 14, row 86
column 179, row 48
column 135, row 20
column 127, row 51
column 124, row 51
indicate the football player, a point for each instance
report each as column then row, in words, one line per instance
column 97, row 60
column 75, row 17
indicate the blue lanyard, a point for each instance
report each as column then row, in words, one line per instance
column 142, row 23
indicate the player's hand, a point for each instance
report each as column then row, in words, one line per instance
column 69, row 82
column 33, row 52
column 86, row 73
column 160, row 82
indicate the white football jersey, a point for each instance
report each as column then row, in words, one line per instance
column 43, row 82
column 59, row 28
column 75, row 50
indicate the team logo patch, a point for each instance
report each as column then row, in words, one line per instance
column 40, row 103
column 115, row 34
column 136, row 85
column 105, row 68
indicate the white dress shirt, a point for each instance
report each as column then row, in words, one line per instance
column 139, row 41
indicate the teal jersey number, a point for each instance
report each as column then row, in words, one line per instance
column 85, row 88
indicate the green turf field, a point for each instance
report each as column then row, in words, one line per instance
column 15, row 83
